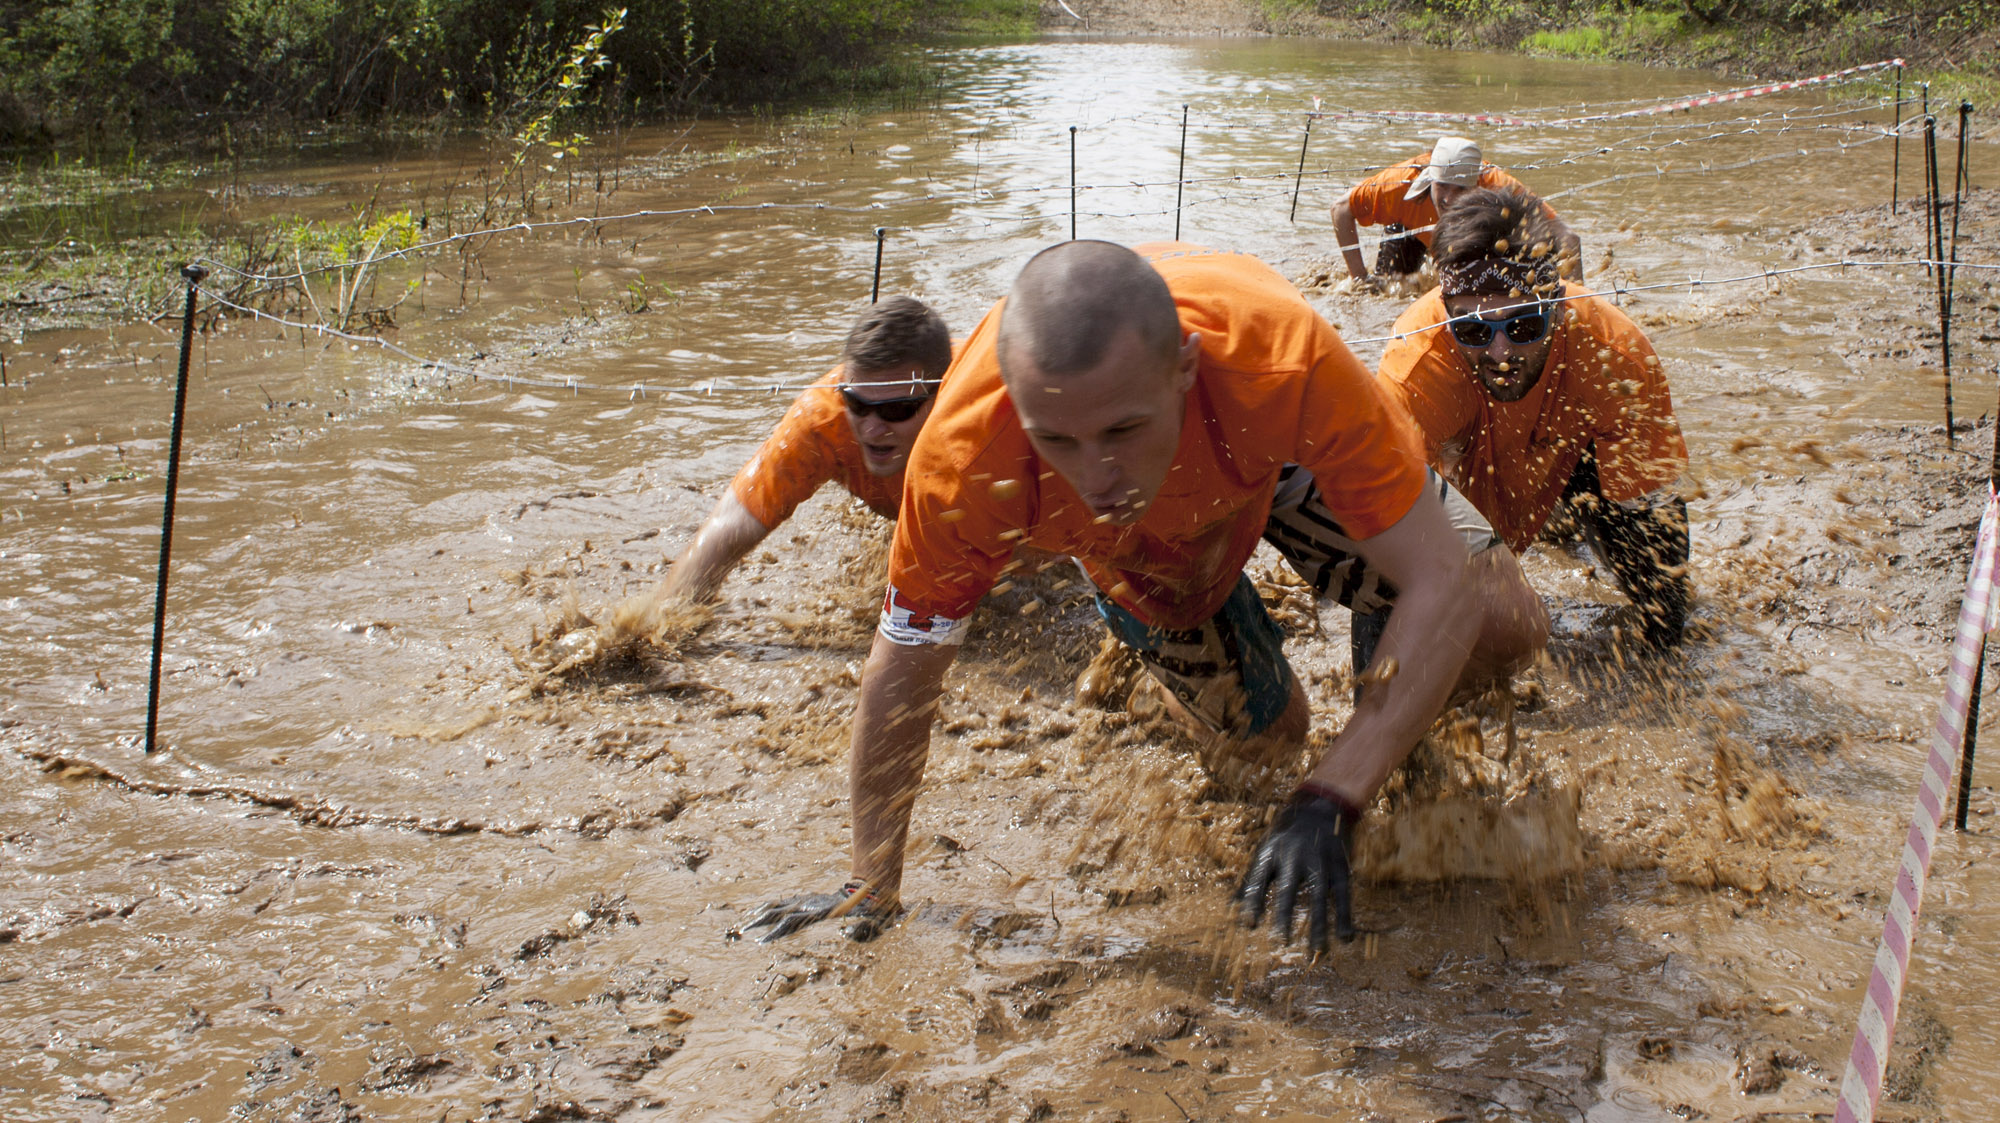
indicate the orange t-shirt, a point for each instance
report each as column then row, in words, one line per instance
column 813, row 443
column 1602, row 388
column 1378, row 200
column 1275, row 385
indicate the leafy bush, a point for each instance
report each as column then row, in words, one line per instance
column 105, row 68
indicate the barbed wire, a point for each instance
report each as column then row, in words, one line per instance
column 1661, row 105
column 1874, row 132
column 1707, row 168
column 640, row 390
column 976, row 198
column 1855, row 75
column 1572, row 115
column 1579, row 116
column 1694, row 284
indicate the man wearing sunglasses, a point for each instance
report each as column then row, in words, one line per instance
column 1411, row 195
column 856, row 425
column 1531, row 393
column 1137, row 411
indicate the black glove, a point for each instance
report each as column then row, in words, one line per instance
column 1305, row 849
column 865, row 918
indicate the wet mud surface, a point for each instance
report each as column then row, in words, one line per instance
column 445, row 829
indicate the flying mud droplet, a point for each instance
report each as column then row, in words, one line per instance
column 1380, row 671
column 1107, row 675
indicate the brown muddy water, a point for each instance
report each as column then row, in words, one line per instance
column 384, row 870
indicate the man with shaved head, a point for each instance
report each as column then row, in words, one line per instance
column 1136, row 411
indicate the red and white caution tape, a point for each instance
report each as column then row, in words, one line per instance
column 1643, row 111
column 1733, row 95
column 1861, row 1087
column 1430, row 115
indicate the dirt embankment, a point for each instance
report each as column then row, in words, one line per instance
column 1156, row 17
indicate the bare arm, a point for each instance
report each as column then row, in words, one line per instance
column 1432, row 629
column 730, row 532
column 1349, row 239
column 891, row 742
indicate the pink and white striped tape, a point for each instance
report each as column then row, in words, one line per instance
column 1733, row 95
column 1666, row 107
column 1861, row 1087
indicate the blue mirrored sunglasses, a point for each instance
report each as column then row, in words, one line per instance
column 1523, row 328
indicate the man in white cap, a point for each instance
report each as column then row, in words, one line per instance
column 1410, row 195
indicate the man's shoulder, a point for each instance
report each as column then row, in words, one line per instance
column 1251, row 319
column 1396, row 176
column 1604, row 322
column 972, row 421
column 1416, row 326
column 1186, row 261
column 820, row 414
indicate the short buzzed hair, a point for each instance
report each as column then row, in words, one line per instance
column 1072, row 299
column 899, row 330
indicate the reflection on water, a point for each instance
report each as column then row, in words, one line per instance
column 373, row 874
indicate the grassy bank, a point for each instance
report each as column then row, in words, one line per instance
column 101, row 73
column 1958, row 44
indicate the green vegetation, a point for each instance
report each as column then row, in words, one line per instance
column 1578, row 42
column 105, row 71
column 1957, row 40
column 987, row 18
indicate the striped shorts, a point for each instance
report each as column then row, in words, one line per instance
column 1231, row 673
column 1321, row 551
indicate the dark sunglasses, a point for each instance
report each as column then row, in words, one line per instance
column 1524, row 328
column 891, row 410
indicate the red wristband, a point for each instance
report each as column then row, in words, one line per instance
column 1312, row 789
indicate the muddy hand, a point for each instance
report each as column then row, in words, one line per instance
column 1306, row 849
column 865, row 914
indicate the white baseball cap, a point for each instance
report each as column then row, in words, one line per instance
column 1454, row 160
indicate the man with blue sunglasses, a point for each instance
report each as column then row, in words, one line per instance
column 1533, row 394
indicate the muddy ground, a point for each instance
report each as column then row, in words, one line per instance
column 400, row 861
column 1684, row 858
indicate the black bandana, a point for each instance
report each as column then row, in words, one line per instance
column 1494, row 274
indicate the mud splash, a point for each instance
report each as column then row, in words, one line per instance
column 1687, row 857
